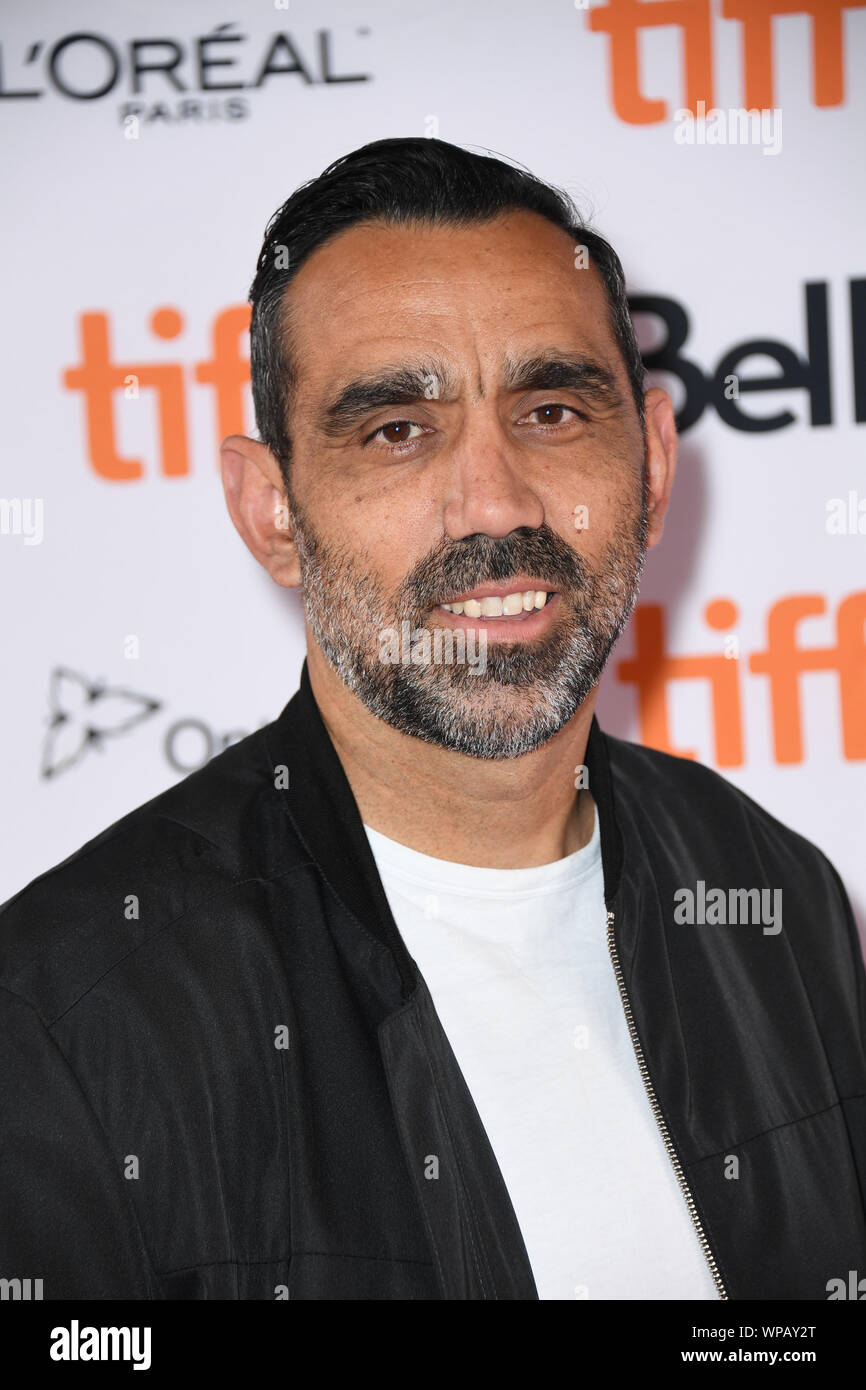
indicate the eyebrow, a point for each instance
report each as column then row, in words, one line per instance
column 409, row 383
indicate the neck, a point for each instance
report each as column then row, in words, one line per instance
column 509, row 813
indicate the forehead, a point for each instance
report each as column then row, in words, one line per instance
column 484, row 289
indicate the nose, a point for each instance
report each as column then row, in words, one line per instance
column 488, row 490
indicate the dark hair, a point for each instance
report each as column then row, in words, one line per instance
column 400, row 181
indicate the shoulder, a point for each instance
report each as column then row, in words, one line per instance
column 191, row 845
column 670, row 796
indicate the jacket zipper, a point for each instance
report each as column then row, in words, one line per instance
column 656, row 1109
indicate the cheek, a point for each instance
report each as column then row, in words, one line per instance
column 611, row 501
column 382, row 542
column 582, row 491
column 585, row 520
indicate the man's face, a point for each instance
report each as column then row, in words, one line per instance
column 463, row 428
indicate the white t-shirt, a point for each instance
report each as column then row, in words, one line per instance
column 517, row 964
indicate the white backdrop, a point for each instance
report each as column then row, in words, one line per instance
column 139, row 635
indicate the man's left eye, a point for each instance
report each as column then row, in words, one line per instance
column 554, row 406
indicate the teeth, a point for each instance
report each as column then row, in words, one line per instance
column 508, row 607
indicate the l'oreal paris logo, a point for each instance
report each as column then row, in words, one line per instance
column 169, row 79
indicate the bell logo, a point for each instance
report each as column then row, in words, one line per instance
column 623, row 21
column 724, row 387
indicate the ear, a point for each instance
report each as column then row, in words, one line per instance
column 257, row 503
column 661, row 459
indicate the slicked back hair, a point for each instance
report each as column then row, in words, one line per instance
column 401, row 181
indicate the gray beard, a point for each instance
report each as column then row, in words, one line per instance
column 453, row 706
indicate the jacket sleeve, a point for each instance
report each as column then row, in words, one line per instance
column 857, row 962
column 65, row 1217
column 854, row 1108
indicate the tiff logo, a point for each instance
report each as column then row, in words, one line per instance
column 624, row 20
column 98, row 376
column 784, row 662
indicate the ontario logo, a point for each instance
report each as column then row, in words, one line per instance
column 84, row 715
column 87, row 716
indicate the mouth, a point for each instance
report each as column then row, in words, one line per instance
column 505, row 612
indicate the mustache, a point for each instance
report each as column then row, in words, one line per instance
column 455, row 566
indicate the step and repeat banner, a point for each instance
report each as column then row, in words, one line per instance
column 719, row 144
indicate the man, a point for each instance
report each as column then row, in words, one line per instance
column 414, row 1001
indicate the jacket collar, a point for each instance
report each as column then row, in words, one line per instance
column 325, row 816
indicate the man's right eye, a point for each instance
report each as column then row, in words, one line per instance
column 396, row 445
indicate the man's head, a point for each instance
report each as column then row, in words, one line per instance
column 450, row 398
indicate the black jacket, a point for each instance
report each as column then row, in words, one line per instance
column 222, row 1075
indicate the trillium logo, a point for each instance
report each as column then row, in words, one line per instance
column 83, row 714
